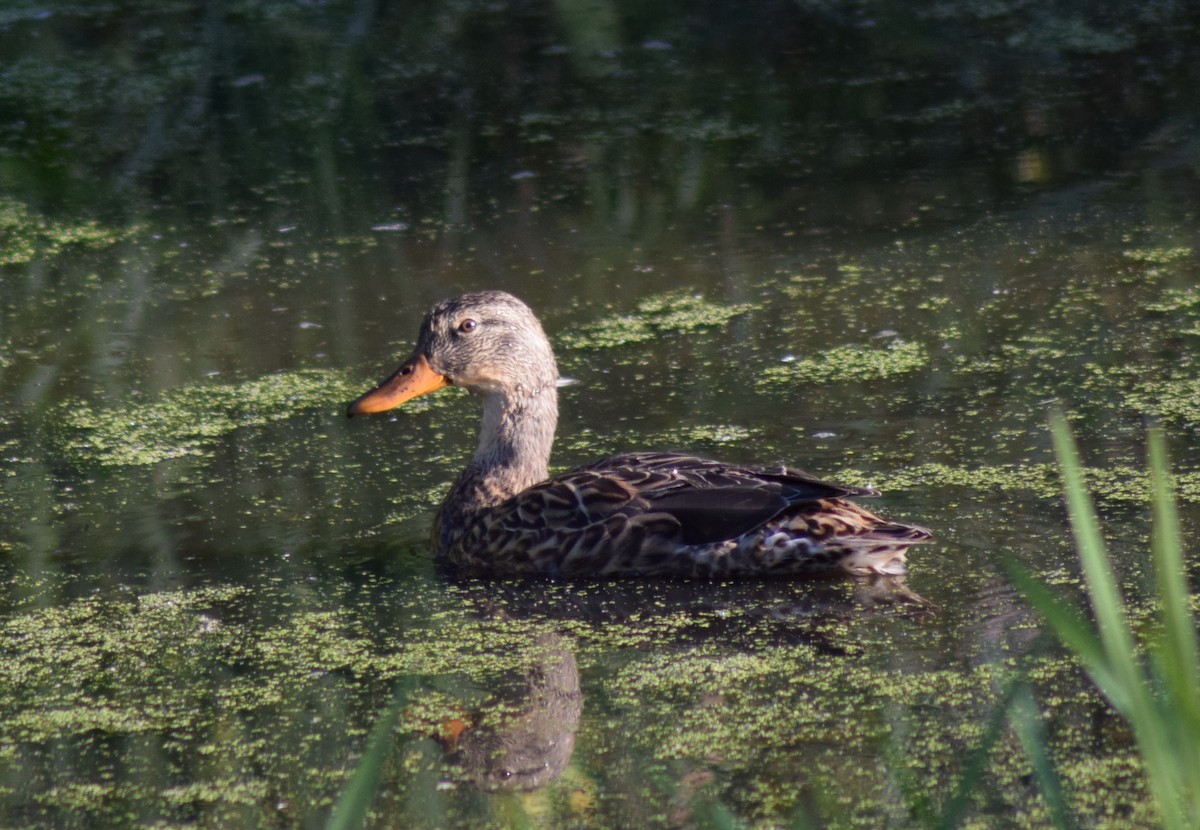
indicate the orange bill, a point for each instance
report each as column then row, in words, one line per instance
column 416, row 377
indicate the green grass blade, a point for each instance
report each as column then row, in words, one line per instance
column 712, row 814
column 1027, row 721
column 802, row 819
column 1016, row 706
column 350, row 811
column 897, row 746
column 1107, row 605
column 1179, row 652
column 975, row 765
column 511, row 813
column 1180, row 658
column 1074, row 631
column 1154, row 725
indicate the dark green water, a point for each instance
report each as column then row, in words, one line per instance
column 873, row 240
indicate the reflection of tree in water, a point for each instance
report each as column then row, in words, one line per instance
column 534, row 738
column 624, row 91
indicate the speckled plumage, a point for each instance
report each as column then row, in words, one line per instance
column 645, row 514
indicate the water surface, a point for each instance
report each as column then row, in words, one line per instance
column 804, row 235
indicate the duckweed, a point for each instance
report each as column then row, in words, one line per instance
column 188, row 421
column 1175, row 299
column 850, row 364
column 674, row 312
column 700, row 434
column 26, row 236
column 1175, row 400
column 255, row 682
column 747, row 710
column 1111, row 484
column 1159, row 256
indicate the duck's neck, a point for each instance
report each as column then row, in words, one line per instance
column 514, row 448
column 516, row 437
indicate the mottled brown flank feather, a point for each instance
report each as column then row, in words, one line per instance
column 645, row 514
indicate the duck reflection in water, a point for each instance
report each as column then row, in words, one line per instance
column 522, row 738
column 533, row 742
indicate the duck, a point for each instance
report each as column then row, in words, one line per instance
column 643, row 514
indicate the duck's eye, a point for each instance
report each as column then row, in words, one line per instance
column 468, row 325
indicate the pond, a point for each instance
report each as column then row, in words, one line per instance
column 820, row 234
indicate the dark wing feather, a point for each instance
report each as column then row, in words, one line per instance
column 712, row 501
column 797, row 485
column 800, row 486
column 714, row 515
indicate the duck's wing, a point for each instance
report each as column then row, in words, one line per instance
column 711, row 501
column 704, row 474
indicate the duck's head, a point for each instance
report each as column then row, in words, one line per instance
column 488, row 342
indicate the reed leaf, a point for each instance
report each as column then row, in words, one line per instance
column 1027, row 723
column 350, row 811
column 1161, row 715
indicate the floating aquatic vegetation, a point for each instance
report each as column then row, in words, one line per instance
column 265, row 692
column 674, row 312
column 26, row 236
column 587, row 442
column 1159, row 256
column 64, row 651
column 190, row 420
column 1175, row 400
column 1038, row 478
column 703, row 434
column 854, row 363
column 1175, row 299
column 1117, row 483
column 750, row 710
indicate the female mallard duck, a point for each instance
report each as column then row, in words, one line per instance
column 645, row 514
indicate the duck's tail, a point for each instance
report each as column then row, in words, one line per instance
column 880, row 550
